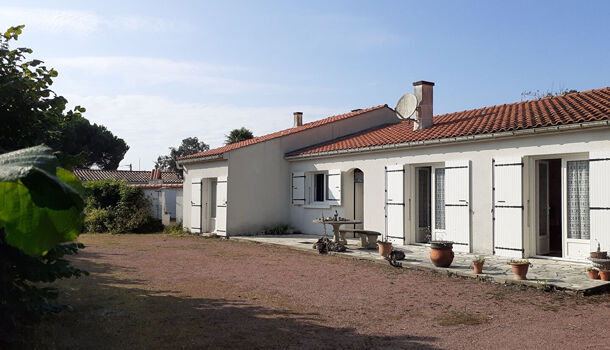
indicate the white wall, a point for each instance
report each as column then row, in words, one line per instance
column 259, row 181
column 200, row 170
column 479, row 153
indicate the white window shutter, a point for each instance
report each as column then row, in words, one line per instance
column 599, row 199
column 221, row 206
column 508, row 206
column 457, row 204
column 298, row 188
column 395, row 203
column 196, row 206
column 333, row 183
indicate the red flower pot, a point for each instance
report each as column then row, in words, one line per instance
column 520, row 270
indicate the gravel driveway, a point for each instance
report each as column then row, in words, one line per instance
column 161, row 291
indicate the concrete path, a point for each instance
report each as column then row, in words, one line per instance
column 570, row 276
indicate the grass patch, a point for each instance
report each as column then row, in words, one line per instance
column 454, row 318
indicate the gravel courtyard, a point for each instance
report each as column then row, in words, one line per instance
column 162, row 291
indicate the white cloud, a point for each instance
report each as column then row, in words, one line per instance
column 151, row 124
column 138, row 72
column 80, row 22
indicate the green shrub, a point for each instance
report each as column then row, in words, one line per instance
column 278, row 229
column 113, row 206
column 175, row 228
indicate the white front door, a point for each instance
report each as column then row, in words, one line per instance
column 195, row 226
column 544, row 209
column 508, row 206
column 599, row 199
column 439, row 233
column 221, row 206
column 457, row 204
column 395, row 203
column 575, row 195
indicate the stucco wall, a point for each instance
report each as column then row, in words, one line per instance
column 479, row 153
column 258, row 191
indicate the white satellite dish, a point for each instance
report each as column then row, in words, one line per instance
column 406, row 106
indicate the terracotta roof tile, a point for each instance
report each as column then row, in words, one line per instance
column 131, row 177
column 314, row 124
column 576, row 107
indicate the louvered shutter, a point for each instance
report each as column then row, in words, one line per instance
column 196, row 206
column 508, row 206
column 221, row 206
column 298, row 188
column 457, row 204
column 599, row 199
column 395, row 203
column 333, row 183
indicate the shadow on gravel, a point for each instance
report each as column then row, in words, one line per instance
column 120, row 313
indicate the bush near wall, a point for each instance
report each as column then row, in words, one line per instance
column 113, row 206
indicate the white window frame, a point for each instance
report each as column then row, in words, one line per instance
column 310, row 186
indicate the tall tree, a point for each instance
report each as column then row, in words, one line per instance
column 189, row 145
column 237, row 135
column 32, row 114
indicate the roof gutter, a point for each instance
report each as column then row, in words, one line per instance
column 199, row 159
column 449, row 140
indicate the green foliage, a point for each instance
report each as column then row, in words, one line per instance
column 189, row 145
column 32, row 114
column 23, row 300
column 175, row 228
column 113, row 206
column 237, row 135
column 40, row 204
column 40, row 207
column 279, row 229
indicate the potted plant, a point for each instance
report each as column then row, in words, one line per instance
column 599, row 254
column 593, row 273
column 604, row 275
column 441, row 253
column 520, row 268
column 477, row 264
column 385, row 247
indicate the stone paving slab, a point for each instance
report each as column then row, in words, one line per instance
column 562, row 275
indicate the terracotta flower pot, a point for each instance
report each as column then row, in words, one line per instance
column 599, row 255
column 604, row 275
column 593, row 274
column 385, row 248
column 477, row 267
column 520, row 270
column 441, row 254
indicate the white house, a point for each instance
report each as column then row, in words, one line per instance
column 517, row 180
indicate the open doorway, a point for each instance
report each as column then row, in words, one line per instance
column 550, row 233
column 424, row 205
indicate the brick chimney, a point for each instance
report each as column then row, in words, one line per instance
column 298, row 119
column 424, row 91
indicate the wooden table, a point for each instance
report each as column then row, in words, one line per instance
column 336, row 224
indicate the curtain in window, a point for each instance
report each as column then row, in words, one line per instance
column 439, row 199
column 578, row 199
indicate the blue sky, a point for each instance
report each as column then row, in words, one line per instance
column 155, row 72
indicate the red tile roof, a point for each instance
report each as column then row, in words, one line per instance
column 576, row 107
column 131, row 177
column 153, row 186
column 307, row 126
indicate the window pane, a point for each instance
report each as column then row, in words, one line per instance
column 319, row 188
column 439, row 199
column 578, row 199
